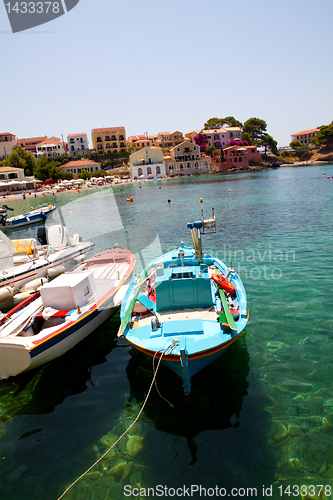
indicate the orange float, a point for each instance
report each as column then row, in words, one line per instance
column 223, row 283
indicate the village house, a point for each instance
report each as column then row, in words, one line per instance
column 76, row 167
column 147, row 162
column 305, row 136
column 240, row 156
column 51, row 148
column 78, row 144
column 185, row 158
column 7, row 142
column 218, row 138
column 30, row 143
column 109, row 140
column 139, row 141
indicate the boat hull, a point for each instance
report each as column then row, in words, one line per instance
column 193, row 325
column 22, row 348
column 27, row 219
column 23, row 274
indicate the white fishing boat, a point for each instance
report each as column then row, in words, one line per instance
column 34, row 216
column 24, row 264
column 64, row 311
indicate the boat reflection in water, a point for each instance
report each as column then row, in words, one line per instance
column 215, row 401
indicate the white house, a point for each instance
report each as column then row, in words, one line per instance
column 50, row 148
column 77, row 144
column 147, row 162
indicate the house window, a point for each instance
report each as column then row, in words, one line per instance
column 72, row 148
column 158, row 170
column 136, row 161
column 148, row 170
column 79, row 170
column 189, row 166
column 205, row 164
column 74, row 170
column 196, row 165
column 139, row 171
column 178, row 149
column 194, row 148
column 171, row 167
column 181, row 166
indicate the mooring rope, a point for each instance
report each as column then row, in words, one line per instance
column 166, row 350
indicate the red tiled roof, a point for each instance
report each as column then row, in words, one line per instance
column 80, row 163
column 307, row 131
column 73, row 135
column 111, row 129
column 7, row 133
column 49, row 141
column 31, row 139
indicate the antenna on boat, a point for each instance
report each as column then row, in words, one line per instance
column 205, row 224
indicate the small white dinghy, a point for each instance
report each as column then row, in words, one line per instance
column 64, row 311
column 24, row 263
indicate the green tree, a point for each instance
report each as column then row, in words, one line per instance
column 42, row 170
column 324, row 136
column 254, row 130
column 210, row 150
column 85, row 174
column 20, row 158
column 269, row 144
column 302, row 151
column 229, row 121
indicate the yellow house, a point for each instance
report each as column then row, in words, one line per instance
column 166, row 140
column 147, row 162
column 185, row 159
column 109, row 140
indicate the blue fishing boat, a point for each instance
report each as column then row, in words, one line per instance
column 39, row 214
column 187, row 307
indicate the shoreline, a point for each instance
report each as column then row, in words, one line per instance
column 51, row 192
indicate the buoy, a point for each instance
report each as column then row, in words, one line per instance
column 160, row 187
column 31, row 208
column 201, row 200
column 19, row 297
column 6, row 292
column 31, row 286
column 169, row 201
column 70, row 212
column 78, row 259
column 55, row 271
column 324, row 173
column 328, row 177
column 131, row 198
column 230, row 190
column 23, row 211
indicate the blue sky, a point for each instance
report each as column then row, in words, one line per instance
column 156, row 66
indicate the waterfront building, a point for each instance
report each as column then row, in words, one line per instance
column 30, row 143
column 147, row 162
column 109, row 140
column 78, row 144
column 7, row 142
column 77, row 166
column 166, row 140
column 186, row 158
column 139, row 141
column 51, row 148
column 218, row 138
column 305, row 136
column 240, row 156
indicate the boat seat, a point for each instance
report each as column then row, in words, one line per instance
column 145, row 301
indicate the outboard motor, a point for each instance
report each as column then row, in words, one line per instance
column 41, row 235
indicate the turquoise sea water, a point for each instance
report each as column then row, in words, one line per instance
column 261, row 415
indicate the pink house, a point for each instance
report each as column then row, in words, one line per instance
column 240, row 156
